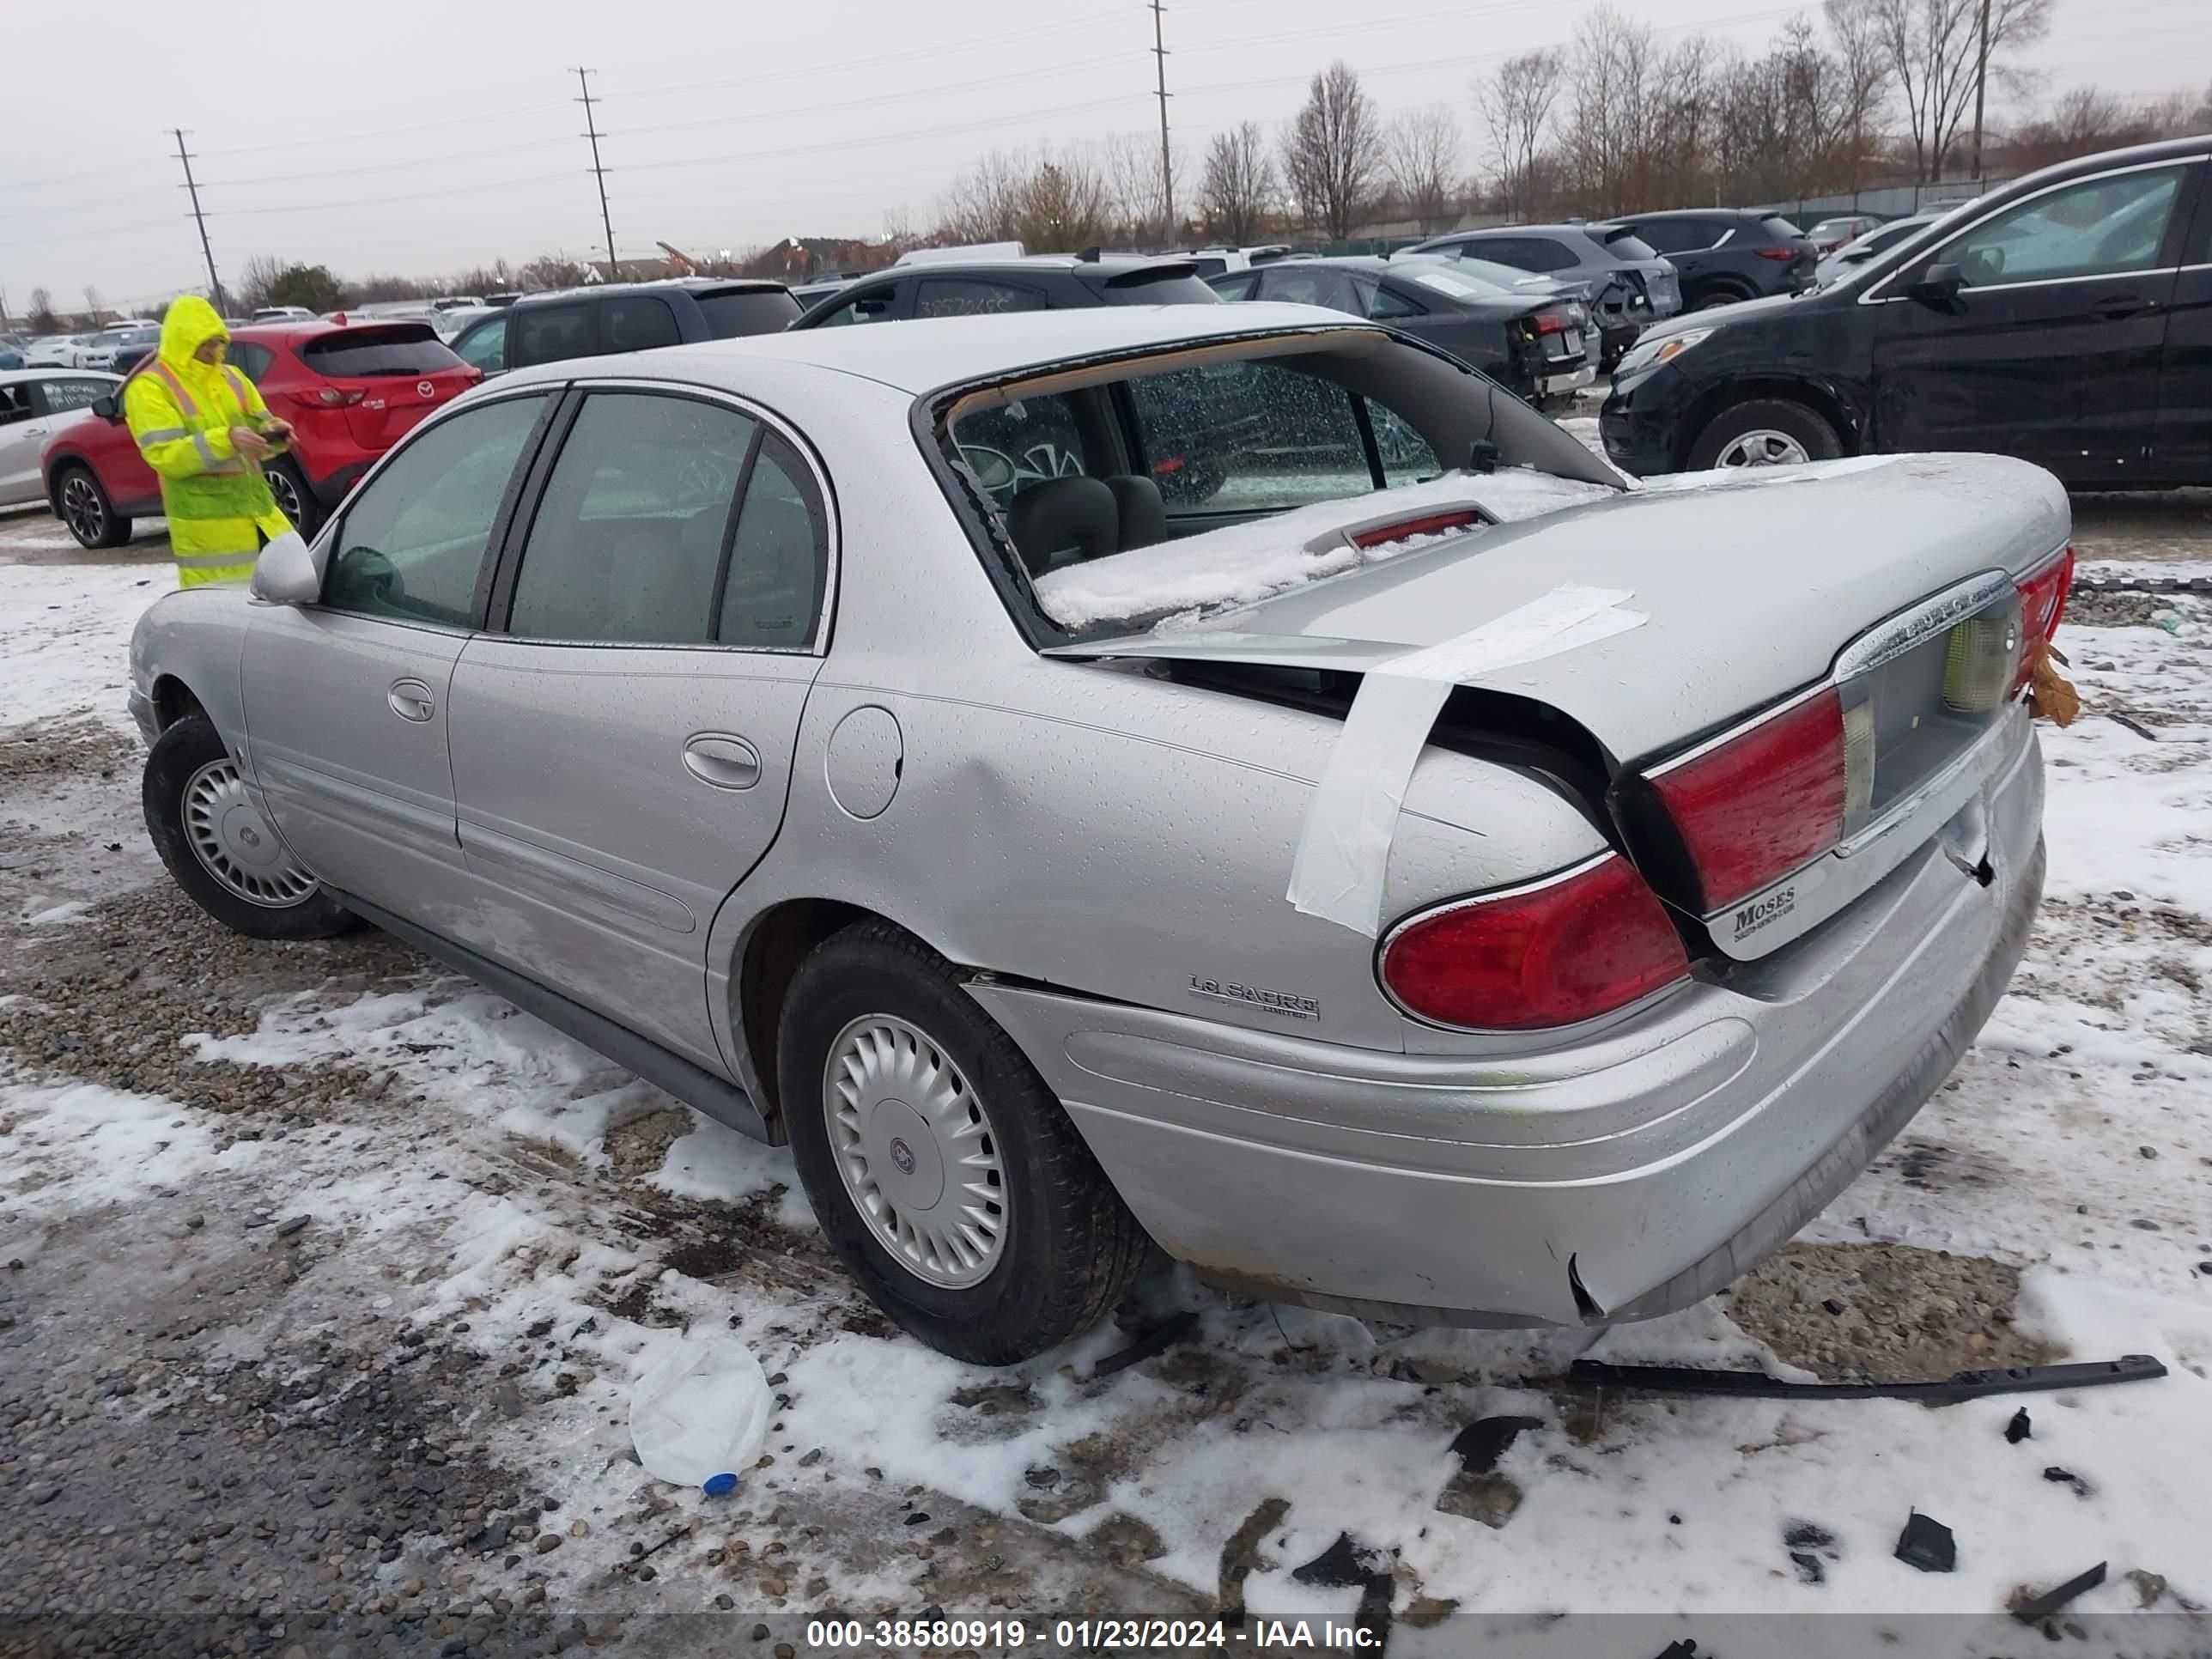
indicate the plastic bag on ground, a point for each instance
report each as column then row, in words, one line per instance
column 699, row 1417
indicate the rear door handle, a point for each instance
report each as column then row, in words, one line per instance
column 2116, row 306
column 722, row 762
column 411, row 701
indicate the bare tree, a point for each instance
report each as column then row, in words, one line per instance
column 1515, row 106
column 1130, row 161
column 93, row 310
column 1931, row 49
column 1422, row 154
column 255, row 279
column 1063, row 205
column 553, row 270
column 43, row 320
column 983, row 204
column 1237, row 190
column 1334, row 150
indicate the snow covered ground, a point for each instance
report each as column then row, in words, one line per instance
column 492, row 1188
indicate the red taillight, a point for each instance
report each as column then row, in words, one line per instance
column 1565, row 950
column 1172, row 463
column 326, row 396
column 2042, row 603
column 1751, row 810
column 1549, row 322
column 1431, row 523
column 1776, row 252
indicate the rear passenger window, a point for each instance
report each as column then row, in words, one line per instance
column 549, row 334
column 251, row 360
column 413, row 539
column 628, row 538
column 967, row 296
column 638, row 322
column 780, row 557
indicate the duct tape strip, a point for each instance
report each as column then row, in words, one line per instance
column 1343, row 851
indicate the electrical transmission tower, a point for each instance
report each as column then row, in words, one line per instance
column 215, row 282
column 1167, row 166
column 592, row 132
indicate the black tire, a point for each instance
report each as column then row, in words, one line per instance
column 180, row 755
column 82, row 504
column 295, row 499
column 1718, row 297
column 1812, row 433
column 1071, row 1248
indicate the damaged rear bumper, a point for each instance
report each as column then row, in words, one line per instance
column 1622, row 1177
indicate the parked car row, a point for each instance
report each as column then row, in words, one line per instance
column 2066, row 320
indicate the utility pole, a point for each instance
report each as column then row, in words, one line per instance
column 592, row 132
column 215, row 282
column 1167, row 166
column 1981, row 82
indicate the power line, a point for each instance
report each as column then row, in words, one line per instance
column 215, row 282
column 592, row 132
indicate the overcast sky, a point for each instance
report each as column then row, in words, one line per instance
column 421, row 138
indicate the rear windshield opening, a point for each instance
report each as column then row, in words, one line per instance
column 748, row 311
column 358, row 353
column 1625, row 244
column 1166, row 287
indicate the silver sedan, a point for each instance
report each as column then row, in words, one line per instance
column 1235, row 782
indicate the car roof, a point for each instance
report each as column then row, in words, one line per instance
column 18, row 376
column 1374, row 262
column 922, row 355
column 1518, row 230
column 659, row 285
column 1115, row 264
column 1688, row 212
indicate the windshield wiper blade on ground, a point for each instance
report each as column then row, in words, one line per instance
column 1960, row 1385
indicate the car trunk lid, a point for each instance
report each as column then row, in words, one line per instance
column 384, row 378
column 1739, row 621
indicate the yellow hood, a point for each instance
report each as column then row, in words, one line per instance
column 191, row 324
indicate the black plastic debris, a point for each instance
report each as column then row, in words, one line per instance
column 2035, row 1611
column 1810, row 1548
column 2018, row 1428
column 1343, row 1565
column 2060, row 1477
column 1960, row 1385
column 1926, row 1543
column 1162, row 1337
column 1685, row 1649
column 1483, row 1441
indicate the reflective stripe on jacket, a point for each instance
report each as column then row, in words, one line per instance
column 181, row 412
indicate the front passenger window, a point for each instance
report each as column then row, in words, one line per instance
column 628, row 537
column 2097, row 227
column 412, row 541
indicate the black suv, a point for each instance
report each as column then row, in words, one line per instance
column 1724, row 256
column 1037, row 281
column 590, row 322
column 2065, row 319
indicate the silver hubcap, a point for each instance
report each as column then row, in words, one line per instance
column 236, row 845
column 916, row 1151
column 1763, row 448
column 81, row 511
column 288, row 499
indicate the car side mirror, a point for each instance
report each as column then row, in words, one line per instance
column 287, row 572
column 1938, row 286
column 106, row 407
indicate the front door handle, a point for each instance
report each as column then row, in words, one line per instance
column 2116, row 306
column 721, row 761
column 411, row 701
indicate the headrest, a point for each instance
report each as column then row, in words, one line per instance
column 1144, row 515
column 1063, row 522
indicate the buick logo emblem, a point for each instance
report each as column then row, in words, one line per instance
column 903, row 1155
column 424, row 389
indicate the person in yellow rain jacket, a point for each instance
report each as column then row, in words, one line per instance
column 204, row 430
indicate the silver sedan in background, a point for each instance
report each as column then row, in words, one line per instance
column 1212, row 777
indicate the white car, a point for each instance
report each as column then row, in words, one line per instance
column 55, row 351
column 99, row 351
column 33, row 402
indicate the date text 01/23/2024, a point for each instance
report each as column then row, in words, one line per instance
column 1012, row 1636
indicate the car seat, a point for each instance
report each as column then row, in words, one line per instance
column 1142, row 513
column 1063, row 522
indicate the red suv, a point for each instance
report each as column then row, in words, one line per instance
column 349, row 390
